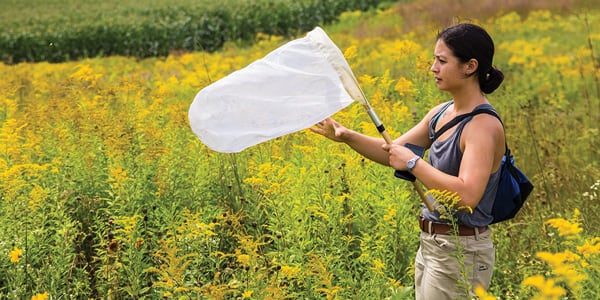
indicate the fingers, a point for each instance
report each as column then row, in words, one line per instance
column 322, row 123
column 316, row 130
column 330, row 129
column 395, row 158
column 323, row 128
column 390, row 147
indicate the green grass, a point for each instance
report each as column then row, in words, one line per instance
column 60, row 30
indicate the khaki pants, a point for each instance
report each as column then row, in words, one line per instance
column 438, row 274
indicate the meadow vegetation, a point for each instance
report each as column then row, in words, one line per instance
column 42, row 31
column 106, row 193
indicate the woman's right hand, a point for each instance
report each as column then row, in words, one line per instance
column 331, row 129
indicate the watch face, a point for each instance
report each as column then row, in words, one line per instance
column 411, row 163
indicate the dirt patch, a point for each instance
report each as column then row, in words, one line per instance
column 446, row 12
column 429, row 16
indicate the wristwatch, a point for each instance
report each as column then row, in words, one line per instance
column 412, row 162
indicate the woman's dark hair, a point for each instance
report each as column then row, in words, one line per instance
column 468, row 41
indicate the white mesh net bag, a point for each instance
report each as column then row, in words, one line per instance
column 290, row 89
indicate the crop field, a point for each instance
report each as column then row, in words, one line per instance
column 105, row 192
column 62, row 30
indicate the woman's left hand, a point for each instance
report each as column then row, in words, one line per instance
column 399, row 156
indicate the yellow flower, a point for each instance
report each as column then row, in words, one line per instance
column 564, row 227
column 37, row 196
column 42, row 296
column 367, row 81
column 589, row 248
column 181, row 289
column 118, row 176
column 86, row 75
column 390, row 215
column 404, row 87
column 563, row 265
column 547, row 288
column 15, row 255
column 244, row 259
column 289, row 271
column 378, row 266
column 483, row 294
column 395, row 284
column 350, row 52
column 247, row 294
column 553, row 259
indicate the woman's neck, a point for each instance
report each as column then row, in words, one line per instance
column 467, row 100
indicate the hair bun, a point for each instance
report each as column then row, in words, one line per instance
column 493, row 79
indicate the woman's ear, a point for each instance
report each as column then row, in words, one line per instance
column 471, row 67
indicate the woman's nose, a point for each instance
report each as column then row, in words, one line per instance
column 433, row 67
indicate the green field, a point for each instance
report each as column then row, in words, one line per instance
column 61, row 30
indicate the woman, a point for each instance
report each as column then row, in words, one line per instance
column 464, row 160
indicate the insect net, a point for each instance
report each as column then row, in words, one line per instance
column 295, row 86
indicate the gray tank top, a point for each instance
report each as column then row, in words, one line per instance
column 446, row 156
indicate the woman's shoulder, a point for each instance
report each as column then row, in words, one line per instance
column 487, row 123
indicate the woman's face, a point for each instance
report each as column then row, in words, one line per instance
column 447, row 69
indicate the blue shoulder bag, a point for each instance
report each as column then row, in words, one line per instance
column 514, row 187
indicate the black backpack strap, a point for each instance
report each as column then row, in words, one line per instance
column 459, row 118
